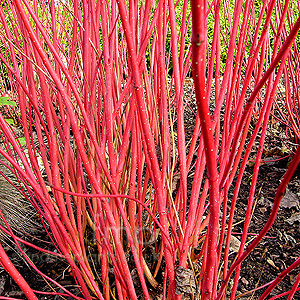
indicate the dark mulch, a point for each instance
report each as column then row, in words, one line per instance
column 281, row 247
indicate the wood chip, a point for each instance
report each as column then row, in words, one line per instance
column 271, row 263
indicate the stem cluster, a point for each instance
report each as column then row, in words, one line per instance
column 103, row 101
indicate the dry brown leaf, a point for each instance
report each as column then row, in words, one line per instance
column 185, row 281
column 293, row 219
column 290, row 200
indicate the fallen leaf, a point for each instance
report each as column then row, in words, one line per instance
column 290, row 200
column 265, row 202
column 293, row 219
column 274, row 152
column 185, row 281
column 234, row 245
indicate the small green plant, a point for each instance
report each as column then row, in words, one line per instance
column 6, row 101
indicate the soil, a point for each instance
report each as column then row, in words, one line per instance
column 278, row 250
column 281, row 247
